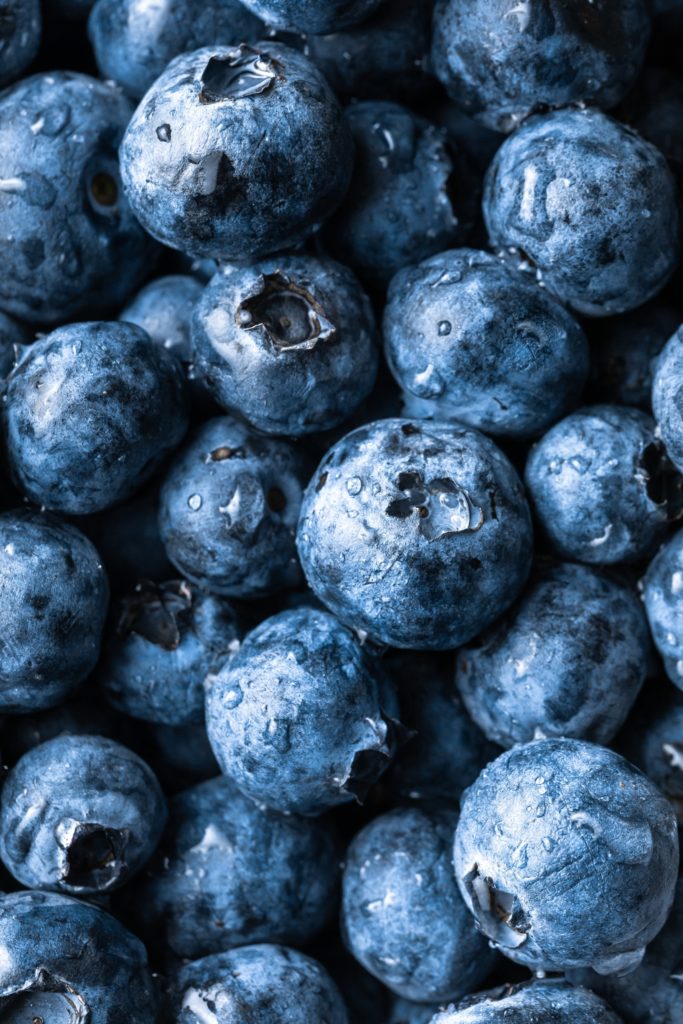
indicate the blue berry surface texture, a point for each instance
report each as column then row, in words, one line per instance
column 289, row 343
column 236, row 152
column 550, row 1002
column 654, row 742
column 667, row 397
column 557, row 817
column 591, row 204
column 300, row 718
column 663, row 597
column 79, row 814
column 90, row 412
column 483, row 344
column 417, row 533
column 313, row 16
column 164, row 309
column 20, row 30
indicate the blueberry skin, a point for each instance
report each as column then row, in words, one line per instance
column 667, row 395
column 12, row 337
column 91, row 412
column 236, row 152
column 591, row 203
column 568, row 660
column 601, row 485
column 133, row 46
column 419, row 534
column 300, row 718
column 502, row 63
column 551, row 1002
column 663, row 596
column 624, row 352
column 405, row 1012
column 20, row 31
column 313, row 16
column 67, row 962
column 71, row 242
column 447, row 750
column 231, row 873
column 385, row 56
column 483, row 343
column 180, row 755
column 266, row 984
column 229, row 508
column 558, row 833
column 652, row 994
column 78, row 716
column 289, row 344
column 164, row 309
column 53, row 605
column 654, row 742
column 402, row 915
column 405, row 201
column 168, row 638
column 79, row 814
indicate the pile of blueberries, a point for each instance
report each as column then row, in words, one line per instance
column 341, row 512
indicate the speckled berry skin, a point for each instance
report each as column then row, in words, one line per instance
column 667, row 397
column 236, row 152
column 229, row 508
column 300, row 717
column 79, row 814
column 549, row 1002
column 71, row 242
column 402, row 915
column 67, row 961
column 601, row 485
column 289, row 343
column 20, row 30
column 313, row 16
column 263, row 983
column 663, row 597
column 168, row 637
column 483, row 343
column 653, row 741
column 502, row 63
column 90, row 412
column 591, row 203
column 405, row 201
column 133, row 43
column 231, row 873
column 385, row 56
column 652, row 994
column 164, row 309
column 568, row 660
column 558, row 832
column 433, row 526
column 53, row 604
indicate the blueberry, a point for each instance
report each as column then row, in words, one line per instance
column 417, row 533
column 289, row 344
column 231, row 873
column 20, row 31
column 77, row 716
column 229, row 508
column 402, row 915
column 405, row 1012
column 567, row 856
column 407, row 198
column 79, row 814
column 653, row 740
column 501, row 63
column 12, row 337
column 181, row 755
column 236, row 152
column 550, row 1002
column 164, row 309
column 483, row 343
column 91, row 411
column 133, row 43
column 655, row 109
column 601, row 485
column 168, row 638
column 385, row 56
column 667, row 397
column 313, row 15
column 53, row 604
column 591, row 204
column 568, row 660
column 71, row 244
column 300, row 717
column 263, row 984
column 67, row 962
column 624, row 352
column 663, row 596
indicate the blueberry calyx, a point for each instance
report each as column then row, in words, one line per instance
column 156, row 612
column 94, row 854
column 663, row 483
column 290, row 316
column 369, row 764
column 504, row 920
column 244, row 72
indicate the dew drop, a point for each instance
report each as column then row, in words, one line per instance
column 354, row 485
column 195, row 502
column 445, row 328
